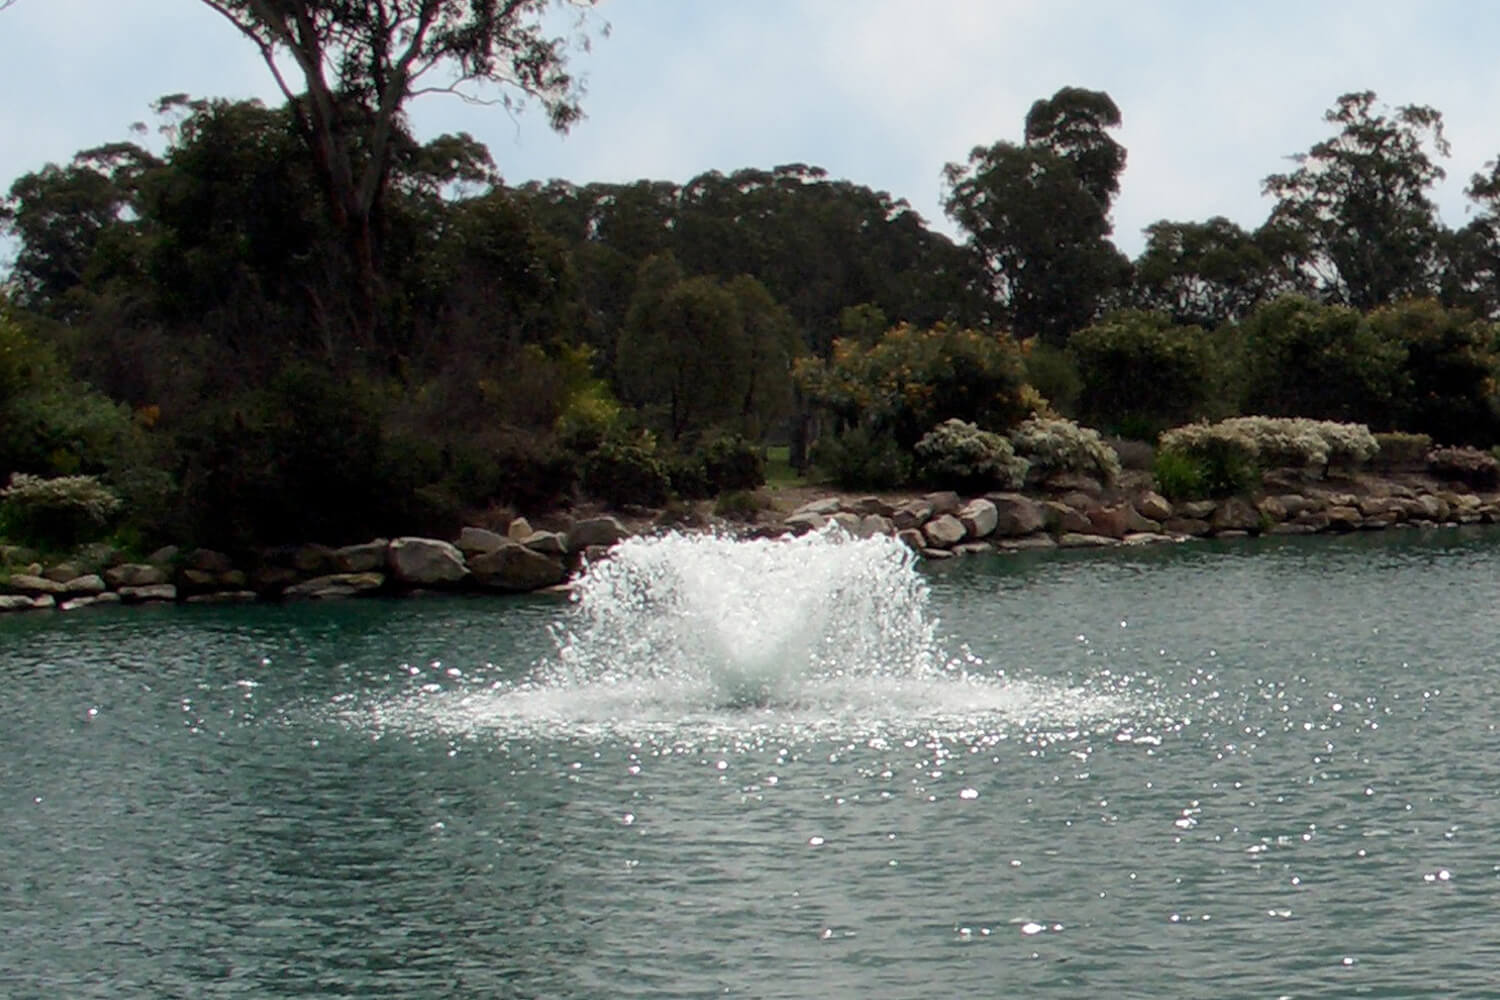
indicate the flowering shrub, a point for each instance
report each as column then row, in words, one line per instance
column 1056, row 444
column 958, row 455
column 1283, row 441
column 61, row 511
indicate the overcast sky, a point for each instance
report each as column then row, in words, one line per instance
column 882, row 92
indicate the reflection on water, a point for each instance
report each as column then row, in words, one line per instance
column 1256, row 769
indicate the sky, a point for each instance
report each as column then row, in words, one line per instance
column 1214, row 96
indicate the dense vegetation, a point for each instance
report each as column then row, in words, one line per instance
column 300, row 322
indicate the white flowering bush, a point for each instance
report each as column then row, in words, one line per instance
column 1226, row 457
column 958, row 455
column 58, row 511
column 1056, row 444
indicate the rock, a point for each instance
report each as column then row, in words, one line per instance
column 1146, row 538
column 97, row 555
column 872, row 505
column 477, row 541
column 16, row 555
column 425, row 562
column 1137, row 524
column 943, row 502
column 1016, row 515
column 874, row 526
column 519, row 528
column 823, row 505
column 272, row 580
column 1293, row 504
column 208, row 561
column 1199, row 509
column 1083, row 540
column 224, row 597
column 1109, row 521
column 847, row 522
column 1075, row 482
column 32, row 585
column 1062, row 519
column 1312, row 520
column 336, row 585
column 1378, row 522
column 516, row 567
column 195, row 580
column 74, row 603
column 594, row 531
column 315, row 560
column 62, row 572
column 148, row 592
column 1375, row 507
column 1271, row 509
column 43, row 602
column 944, row 531
column 912, row 539
column 552, row 543
column 1079, row 500
column 912, row 514
column 366, row 557
column 801, row 524
column 163, row 556
column 936, row 555
column 597, row 553
column 14, row 602
column 86, row 585
column 1234, row 514
column 1028, row 544
column 1153, row 505
column 134, row 575
column 1294, row 528
column 1343, row 517
column 1195, row 526
column 979, row 518
column 973, row 549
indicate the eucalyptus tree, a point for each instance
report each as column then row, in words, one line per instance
column 1361, row 200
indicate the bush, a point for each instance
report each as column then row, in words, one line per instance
column 622, row 473
column 860, row 458
column 1243, row 442
column 958, row 455
column 1055, row 444
column 1397, row 448
column 1140, row 374
column 58, row 513
column 732, row 463
column 1450, row 364
column 1478, row 469
column 688, row 478
column 1181, row 476
column 740, row 505
column 1206, row 460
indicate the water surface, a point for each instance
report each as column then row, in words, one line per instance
column 1264, row 768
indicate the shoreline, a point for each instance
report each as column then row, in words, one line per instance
column 1066, row 512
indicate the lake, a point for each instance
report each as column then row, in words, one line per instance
column 1257, row 768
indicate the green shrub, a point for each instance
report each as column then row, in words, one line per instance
column 732, row 463
column 57, row 513
column 1225, row 457
column 958, row 455
column 1235, row 447
column 860, row 458
column 1054, row 374
column 1139, row 374
column 1181, row 476
column 1478, row 469
column 1397, row 448
column 1055, row 444
column 622, row 473
column 740, row 505
column 588, row 418
column 688, row 477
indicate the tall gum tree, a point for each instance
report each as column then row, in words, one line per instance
column 360, row 64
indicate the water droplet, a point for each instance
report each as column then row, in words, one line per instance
column 815, row 841
column 969, row 793
column 1031, row 927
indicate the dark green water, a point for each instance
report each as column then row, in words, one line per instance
column 1261, row 769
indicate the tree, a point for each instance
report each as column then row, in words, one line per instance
column 1451, row 362
column 1360, row 199
column 361, row 62
column 1211, row 273
column 1038, row 214
column 1140, row 374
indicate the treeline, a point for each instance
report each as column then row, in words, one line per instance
column 205, row 330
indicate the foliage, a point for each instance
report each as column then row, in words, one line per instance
column 958, row 455
column 1450, row 364
column 1140, row 374
column 1478, row 469
column 740, row 505
column 1202, row 460
column 732, row 463
column 1056, row 444
column 913, row 379
column 861, row 458
column 1182, row 476
column 58, row 512
column 625, row 472
column 1399, row 448
column 1212, row 273
column 1230, row 453
column 1302, row 359
column 1361, row 202
column 1052, row 372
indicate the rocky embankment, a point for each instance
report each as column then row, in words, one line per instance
column 1072, row 512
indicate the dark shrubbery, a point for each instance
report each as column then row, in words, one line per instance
column 621, row 473
column 860, row 458
column 1140, row 374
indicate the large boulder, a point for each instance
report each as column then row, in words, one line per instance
column 1016, row 515
column 135, row 575
column 87, row 585
column 150, row 592
column 801, row 524
column 944, row 531
column 979, row 518
column 33, row 585
column 477, row 541
column 872, row 505
column 912, row 514
column 336, row 585
column 366, row 557
column 518, row 529
column 825, row 506
column 208, row 561
column 517, row 567
column 314, row 560
column 1111, row 522
column 62, row 572
column 15, row 602
column 944, row 502
column 552, row 543
column 425, row 562
column 1234, row 514
column 874, row 525
column 1062, row 519
column 848, row 522
column 1153, row 505
column 593, row 531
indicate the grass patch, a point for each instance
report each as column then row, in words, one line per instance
column 779, row 471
